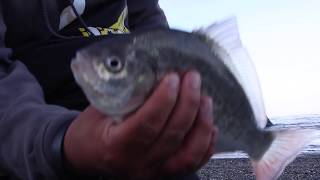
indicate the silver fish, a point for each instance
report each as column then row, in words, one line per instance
column 117, row 78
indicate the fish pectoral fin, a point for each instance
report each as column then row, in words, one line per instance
column 286, row 145
column 226, row 43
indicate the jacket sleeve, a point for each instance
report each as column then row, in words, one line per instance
column 31, row 131
column 145, row 14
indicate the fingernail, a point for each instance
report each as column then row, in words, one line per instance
column 208, row 103
column 172, row 81
column 215, row 134
column 194, row 80
column 208, row 107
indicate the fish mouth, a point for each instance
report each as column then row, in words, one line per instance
column 77, row 63
column 82, row 70
column 128, row 108
column 76, row 69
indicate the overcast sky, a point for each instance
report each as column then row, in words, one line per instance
column 282, row 38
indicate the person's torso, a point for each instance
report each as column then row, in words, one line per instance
column 47, row 56
column 26, row 22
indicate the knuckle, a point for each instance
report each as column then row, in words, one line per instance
column 182, row 120
column 147, row 130
column 205, row 121
column 215, row 132
column 190, row 162
column 207, row 126
column 143, row 174
column 192, row 100
column 145, row 134
column 174, row 137
column 169, row 101
column 169, row 97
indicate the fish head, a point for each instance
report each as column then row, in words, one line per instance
column 116, row 78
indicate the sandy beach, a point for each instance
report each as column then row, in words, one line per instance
column 303, row 167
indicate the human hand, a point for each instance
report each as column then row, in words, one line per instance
column 171, row 133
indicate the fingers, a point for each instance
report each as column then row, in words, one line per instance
column 145, row 125
column 210, row 150
column 196, row 144
column 172, row 132
column 91, row 111
column 181, row 120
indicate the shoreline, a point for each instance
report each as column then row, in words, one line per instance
column 305, row 166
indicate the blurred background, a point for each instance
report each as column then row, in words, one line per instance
column 282, row 37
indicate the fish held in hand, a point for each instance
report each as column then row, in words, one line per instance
column 118, row 77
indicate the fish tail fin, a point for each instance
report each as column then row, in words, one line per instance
column 284, row 148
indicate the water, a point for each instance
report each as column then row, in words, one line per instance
column 305, row 121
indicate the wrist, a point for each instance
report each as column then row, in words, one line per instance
column 81, row 145
column 62, row 165
column 57, row 149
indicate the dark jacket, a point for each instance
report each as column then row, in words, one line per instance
column 38, row 96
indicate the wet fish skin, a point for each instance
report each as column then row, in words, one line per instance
column 180, row 51
column 148, row 56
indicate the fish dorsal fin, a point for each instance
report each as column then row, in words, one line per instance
column 226, row 43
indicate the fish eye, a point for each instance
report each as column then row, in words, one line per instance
column 114, row 64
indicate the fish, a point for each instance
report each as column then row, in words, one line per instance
column 118, row 77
